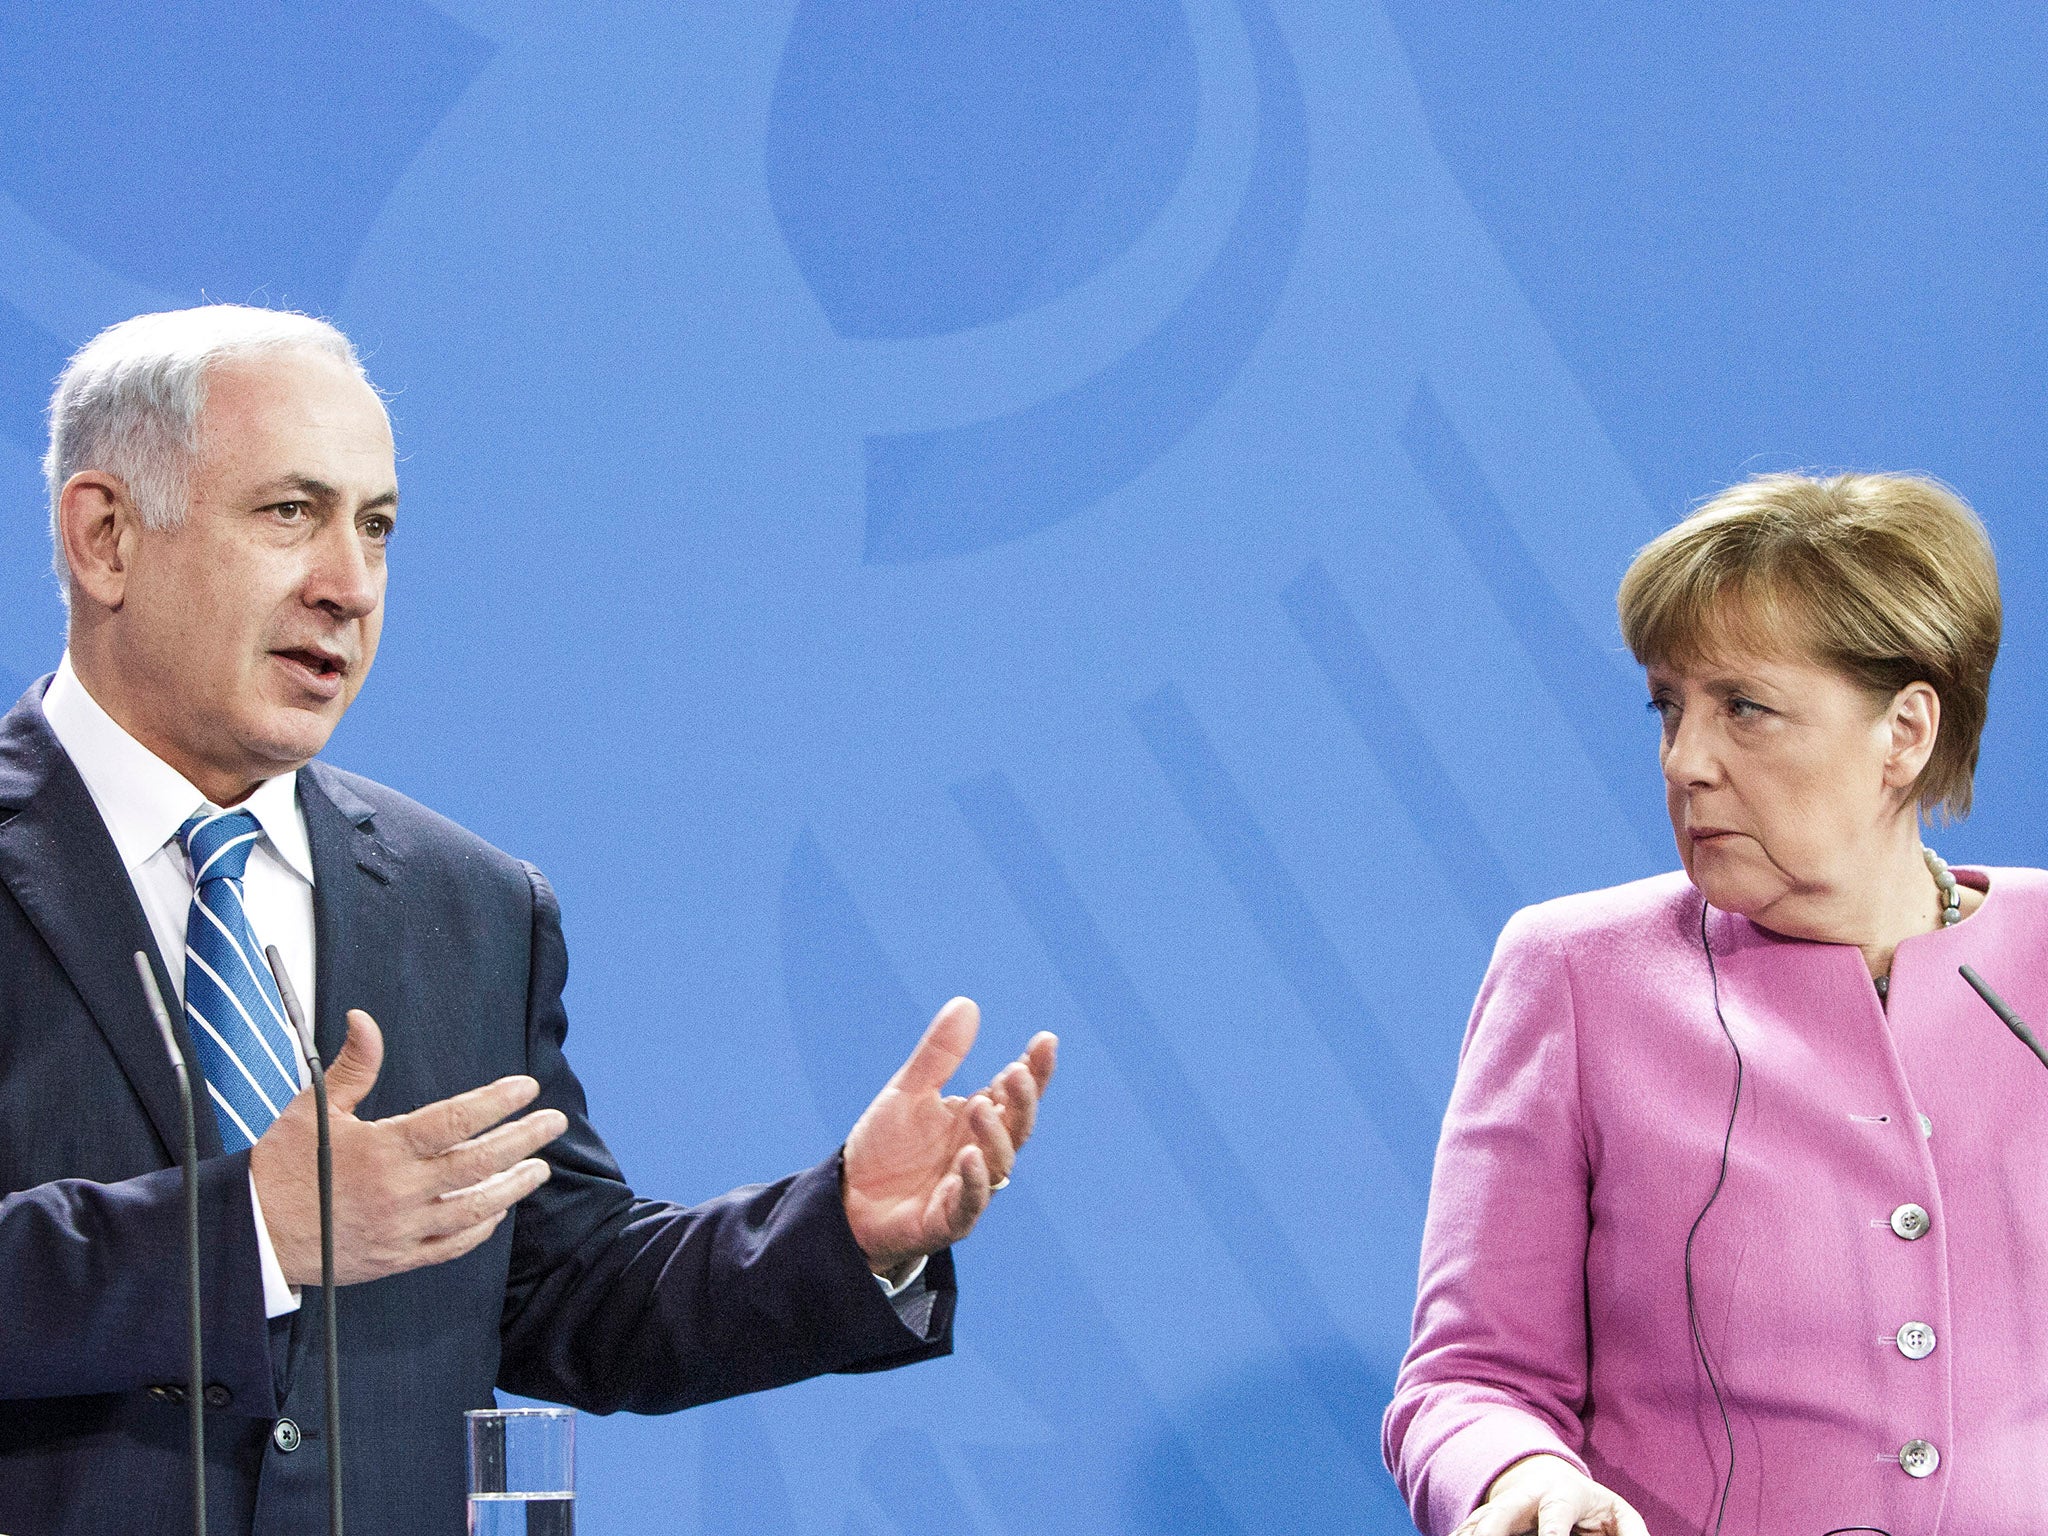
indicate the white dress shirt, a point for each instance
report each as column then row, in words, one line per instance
column 144, row 800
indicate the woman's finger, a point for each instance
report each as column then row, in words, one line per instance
column 1507, row 1516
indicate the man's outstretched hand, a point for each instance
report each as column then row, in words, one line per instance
column 411, row 1190
column 921, row 1164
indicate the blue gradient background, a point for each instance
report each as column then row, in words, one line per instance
column 1111, row 508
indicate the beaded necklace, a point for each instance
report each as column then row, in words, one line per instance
column 1951, row 903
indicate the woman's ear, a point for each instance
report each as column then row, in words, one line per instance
column 1914, row 719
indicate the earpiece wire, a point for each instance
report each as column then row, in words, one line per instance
column 1692, row 1311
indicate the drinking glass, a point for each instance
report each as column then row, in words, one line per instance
column 522, row 1471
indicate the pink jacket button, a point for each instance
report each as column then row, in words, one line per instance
column 1919, row 1458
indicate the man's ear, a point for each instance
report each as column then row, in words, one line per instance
column 97, row 520
column 1915, row 721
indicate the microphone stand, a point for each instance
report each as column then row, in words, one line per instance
column 195, row 1391
column 325, row 1157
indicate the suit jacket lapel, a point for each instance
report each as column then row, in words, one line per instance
column 61, row 866
column 355, row 946
column 355, row 941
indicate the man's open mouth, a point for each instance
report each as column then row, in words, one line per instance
column 318, row 663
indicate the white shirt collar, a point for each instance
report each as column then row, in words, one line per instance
column 143, row 799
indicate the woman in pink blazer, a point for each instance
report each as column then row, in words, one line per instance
column 1740, row 1219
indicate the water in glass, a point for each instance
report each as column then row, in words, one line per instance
column 522, row 1514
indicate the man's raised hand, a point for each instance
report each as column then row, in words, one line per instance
column 921, row 1164
column 413, row 1190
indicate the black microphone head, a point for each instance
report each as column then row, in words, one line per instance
column 2006, row 1016
column 155, row 997
column 290, row 997
column 1992, row 1000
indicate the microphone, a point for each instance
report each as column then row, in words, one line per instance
column 2011, row 1020
column 296, row 1014
column 195, row 1391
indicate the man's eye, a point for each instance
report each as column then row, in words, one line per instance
column 292, row 511
column 378, row 530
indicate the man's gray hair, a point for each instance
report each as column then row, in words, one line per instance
column 129, row 401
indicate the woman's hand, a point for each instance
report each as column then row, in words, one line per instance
column 1552, row 1498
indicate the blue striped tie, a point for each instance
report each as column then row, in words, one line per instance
column 231, row 1004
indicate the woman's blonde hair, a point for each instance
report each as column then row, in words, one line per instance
column 1889, row 578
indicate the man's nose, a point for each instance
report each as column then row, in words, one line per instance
column 341, row 579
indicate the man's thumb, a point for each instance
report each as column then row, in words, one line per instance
column 353, row 1072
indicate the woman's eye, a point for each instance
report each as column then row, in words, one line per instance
column 1665, row 709
column 1745, row 709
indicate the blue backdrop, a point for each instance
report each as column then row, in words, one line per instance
column 1109, row 506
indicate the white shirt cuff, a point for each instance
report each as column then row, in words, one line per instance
column 279, row 1297
column 893, row 1290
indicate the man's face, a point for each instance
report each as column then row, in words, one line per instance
column 246, row 632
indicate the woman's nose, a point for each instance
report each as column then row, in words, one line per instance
column 1688, row 756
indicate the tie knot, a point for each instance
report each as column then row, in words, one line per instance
column 218, row 844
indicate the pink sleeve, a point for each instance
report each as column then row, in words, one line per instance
column 1497, row 1367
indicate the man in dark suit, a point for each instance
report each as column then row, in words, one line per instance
column 223, row 489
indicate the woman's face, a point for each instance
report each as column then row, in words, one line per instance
column 1789, row 785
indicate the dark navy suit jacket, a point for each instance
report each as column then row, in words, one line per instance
column 588, row 1295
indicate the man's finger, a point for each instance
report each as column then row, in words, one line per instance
column 971, row 1168
column 946, row 1042
column 439, row 1250
column 353, row 1072
column 942, row 1207
column 1042, row 1055
column 474, row 1160
column 993, row 1137
column 1015, row 1091
column 434, row 1128
column 461, row 1209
